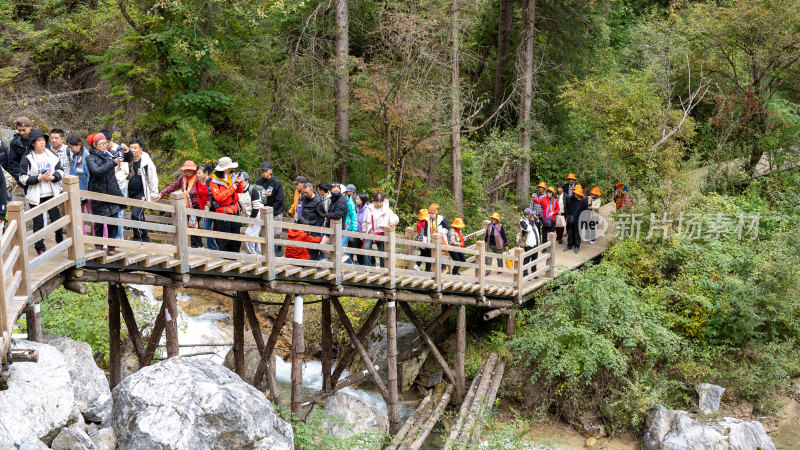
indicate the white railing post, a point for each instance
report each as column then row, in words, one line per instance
column 16, row 213
column 551, row 272
column 336, row 240
column 518, row 276
column 268, row 247
column 178, row 200
column 390, row 245
column 481, row 247
column 76, row 252
column 4, row 327
column 437, row 260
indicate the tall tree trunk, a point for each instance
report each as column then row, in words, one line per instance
column 455, row 108
column 342, row 90
column 503, row 48
column 526, row 99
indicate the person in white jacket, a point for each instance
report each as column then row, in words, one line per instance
column 40, row 172
column 377, row 220
column 530, row 232
column 250, row 201
column 142, row 185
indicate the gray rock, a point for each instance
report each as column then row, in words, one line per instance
column 668, row 430
column 72, row 438
column 708, row 398
column 39, row 398
column 251, row 360
column 89, row 383
column 349, row 416
column 376, row 345
column 185, row 403
column 104, row 439
column 31, row 444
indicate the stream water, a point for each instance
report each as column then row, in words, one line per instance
column 212, row 327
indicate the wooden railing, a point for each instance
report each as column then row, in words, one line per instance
column 395, row 257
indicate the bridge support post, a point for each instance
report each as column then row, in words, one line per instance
column 171, row 319
column 238, row 334
column 298, row 353
column 327, row 344
column 114, row 344
column 33, row 321
column 461, row 351
column 391, row 359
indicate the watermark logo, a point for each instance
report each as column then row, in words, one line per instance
column 591, row 225
column 691, row 226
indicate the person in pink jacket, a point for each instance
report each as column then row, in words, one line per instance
column 377, row 220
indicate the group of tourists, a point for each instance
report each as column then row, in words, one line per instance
column 37, row 163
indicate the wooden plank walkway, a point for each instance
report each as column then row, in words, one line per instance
column 24, row 273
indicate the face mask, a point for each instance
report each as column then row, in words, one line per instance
column 336, row 196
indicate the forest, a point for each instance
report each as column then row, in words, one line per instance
column 469, row 104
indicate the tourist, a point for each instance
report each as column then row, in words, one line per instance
column 204, row 172
column 324, row 191
column 251, row 202
column 78, row 168
column 298, row 183
column 576, row 204
column 362, row 203
column 337, row 211
column 225, row 189
column 273, row 189
column 102, row 179
column 424, row 236
column 549, row 215
column 539, row 202
column 593, row 204
column 571, row 183
column 351, row 221
column 438, row 223
column 40, row 171
column 530, row 237
column 300, row 236
column 187, row 182
column 456, row 239
column 496, row 241
column 121, row 173
column 313, row 211
column 379, row 218
column 561, row 222
column 142, row 185
column 59, row 147
column 622, row 196
column 8, row 179
column 18, row 146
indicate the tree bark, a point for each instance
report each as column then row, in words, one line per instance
column 342, row 90
column 503, row 49
column 526, row 99
column 455, row 107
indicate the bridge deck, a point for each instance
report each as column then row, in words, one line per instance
column 24, row 273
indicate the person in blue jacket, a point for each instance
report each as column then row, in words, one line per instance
column 79, row 169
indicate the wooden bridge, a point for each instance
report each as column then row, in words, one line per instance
column 26, row 278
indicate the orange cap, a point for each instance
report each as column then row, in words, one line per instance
column 423, row 214
column 495, row 216
column 542, row 185
column 578, row 190
column 596, row 191
column 458, row 223
column 572, row 177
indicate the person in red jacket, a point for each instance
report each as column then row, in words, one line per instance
column 204, row 172
column 225, row 189
column 300, row 236
column 543, row 202
column 549, row 215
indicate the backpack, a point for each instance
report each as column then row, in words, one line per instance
column 261, row 192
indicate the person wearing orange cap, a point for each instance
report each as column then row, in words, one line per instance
column 187, row 182
column 539, row 202
column 496, row 241
column 456, row 239
column 593, row 204
column 561, row 221
column 424, row 235
column 572, row 181
column 549, row 215
column 576, row 204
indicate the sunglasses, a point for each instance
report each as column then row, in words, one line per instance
column 20, row 124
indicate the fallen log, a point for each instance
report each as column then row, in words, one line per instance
column 432, row 419
column 481, row 378
column 419, row 412
column 481, row 406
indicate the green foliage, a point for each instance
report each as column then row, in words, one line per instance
column 312, row 433
column 654, row 318
column 80, row 317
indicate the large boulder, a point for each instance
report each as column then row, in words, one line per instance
column 190, row 403
column 376, row 345
column 708, row 398
column 72, row 438
column 668, row 430
column 39, row 398
column 349, row 416
column 89, row 383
